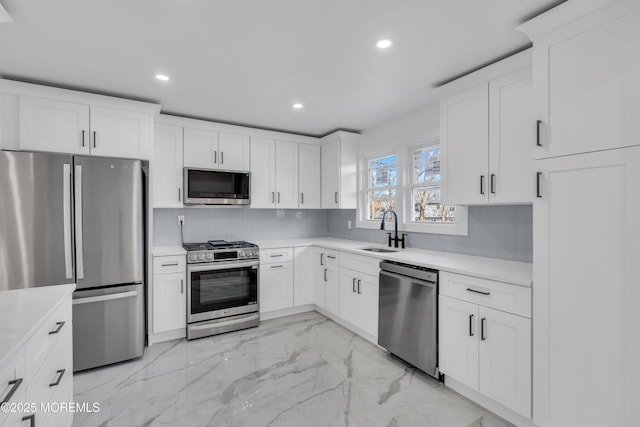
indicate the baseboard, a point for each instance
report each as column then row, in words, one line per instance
column 166, row 336
column 286, row 312
column 490, row 404
column 372, row 339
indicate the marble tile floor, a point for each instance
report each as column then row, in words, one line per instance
column 301, row 370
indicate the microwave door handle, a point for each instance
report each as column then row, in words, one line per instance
column 66, row 220
column 78, row 214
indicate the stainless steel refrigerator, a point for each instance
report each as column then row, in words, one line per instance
column 76, row 219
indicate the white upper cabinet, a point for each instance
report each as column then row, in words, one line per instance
column 587, row 90
column 274, row 174
column 309, row 176
column 339, row 154
column 209, row 149
column 167, row 166
column 77, row 128
column 487, row 135
column 464, row 132
column 200, row 148
column 51, row 125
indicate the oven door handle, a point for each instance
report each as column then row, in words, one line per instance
column 221, row 266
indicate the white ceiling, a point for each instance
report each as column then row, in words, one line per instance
column 247, row 61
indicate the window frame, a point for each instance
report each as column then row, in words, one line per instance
column 403, row 149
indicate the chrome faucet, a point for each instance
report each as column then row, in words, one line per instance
column 395, row 239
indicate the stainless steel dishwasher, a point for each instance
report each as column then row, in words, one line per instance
column 408, row 314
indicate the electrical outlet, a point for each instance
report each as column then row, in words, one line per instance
column 180, row 219
column 348, row 224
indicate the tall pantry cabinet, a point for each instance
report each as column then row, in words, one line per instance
column 586, row 320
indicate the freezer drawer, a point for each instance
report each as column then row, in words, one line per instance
column 108, row 325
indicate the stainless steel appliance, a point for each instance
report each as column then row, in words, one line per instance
column 408, row 314
column 67, row 219
column 216, row 187
column 222, row 287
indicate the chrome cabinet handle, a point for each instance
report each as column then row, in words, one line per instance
column 538, row 192
column 277, row 266
column 170, row 265
column 222, row 157
column 482, row 337
column 15, row 385
column 276, row 255
column 31, row 418
column 273, row 197
column 181, row 286
column 179, row 194
column 278, row 197
column 481, row 184
column 321, row 259
column 331, row 256
column 60, row 373
column 478, row 292
column 471, row 325
column 336, row 197
column 215, row 156
column 95, row 137
column 353, row 285
column 492, row 183
column 325, row 274
column 302, row 198
column 359, row 280
column 55, row 330
column 83, row 143
column 538, row 133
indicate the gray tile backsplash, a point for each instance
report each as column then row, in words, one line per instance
column 503, row 232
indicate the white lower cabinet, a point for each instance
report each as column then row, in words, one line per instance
column 359, row 300
column 326, row 292
column 276, row 279
column 169, row 295
column 303, row 276
column 486, row 349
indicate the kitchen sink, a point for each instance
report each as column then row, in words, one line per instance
column 381, row 250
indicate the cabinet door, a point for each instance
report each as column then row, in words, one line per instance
column 169, row 302
column 588, row 86
column 56, row 126
column 330, row 175
column 120, row 133
column 511, row 138
column 263, row 174
column 303, row 275
column 464, row 146
column 505, row 359
column 309, row 176
column 200, row 148
column 167, row 166
column 368, row 301
column 458, row 340
column 332, row 290
column 319, row 283
column 276, row 286
column 233, row 150
column 286, row 175
column 349, row 301
column 586, row 294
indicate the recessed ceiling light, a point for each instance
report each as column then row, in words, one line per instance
column 297, row 106
column 162, row 77
column 383, row 44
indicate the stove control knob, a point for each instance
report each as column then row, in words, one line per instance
column 201, row 257
column 193, row 257
column 209, row 256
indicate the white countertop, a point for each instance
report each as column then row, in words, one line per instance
column 168, row 250
column 22, row 311
column 517, row 273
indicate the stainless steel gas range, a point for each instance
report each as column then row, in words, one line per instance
column 222, row 291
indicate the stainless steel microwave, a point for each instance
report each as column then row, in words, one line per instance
column 216, row 187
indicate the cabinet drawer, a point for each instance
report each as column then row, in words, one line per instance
column 47, row 337
column 501, row 296
column 360, row 263
column 13, row 381
column 331, row 257
column 169, row 264
column 268, row 256
column 55, row 372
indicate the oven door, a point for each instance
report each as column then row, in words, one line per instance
column 223, row 289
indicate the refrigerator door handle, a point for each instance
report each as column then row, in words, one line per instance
column 66, row 219
column 78, row 214
column 108, row 297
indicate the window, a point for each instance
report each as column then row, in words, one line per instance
column 424, row 187
column 381, row 185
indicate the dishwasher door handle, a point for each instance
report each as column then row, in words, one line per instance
column 413, row 280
